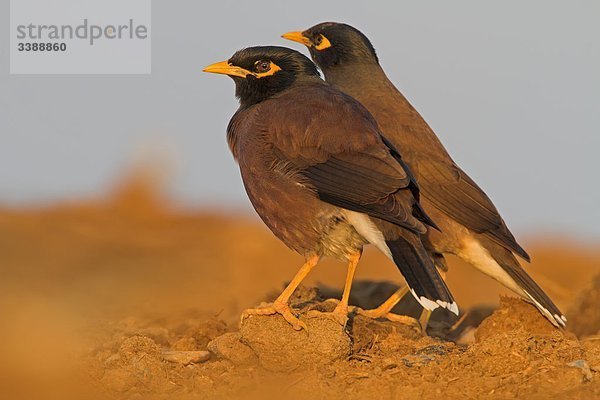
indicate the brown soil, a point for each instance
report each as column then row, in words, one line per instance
column 127, row 298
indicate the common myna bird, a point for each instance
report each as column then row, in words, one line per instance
column 470, row 225
column 321, row 176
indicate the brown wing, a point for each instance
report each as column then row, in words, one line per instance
column 363, row 183
column 451, row 190
column 334, row 143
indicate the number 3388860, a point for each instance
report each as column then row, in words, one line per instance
column 42, row 46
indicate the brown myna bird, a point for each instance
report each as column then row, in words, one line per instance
column 321, row 176
column 470, row 225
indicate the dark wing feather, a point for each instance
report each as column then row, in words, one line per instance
column 451, row 190
column 366, row 184
column 334, row 143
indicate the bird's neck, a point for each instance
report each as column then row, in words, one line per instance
column 359, row 76
column 369, row 84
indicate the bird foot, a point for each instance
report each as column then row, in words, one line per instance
column 402, row 319
column 276, row 307
column 337, row 302
column 339, row 314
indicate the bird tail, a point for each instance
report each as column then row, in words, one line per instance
column 406, row 250
column 500, row 263
column 533, row 292
column 420, row 273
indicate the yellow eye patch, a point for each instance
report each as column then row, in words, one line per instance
column 274, row 68
column 325, row 43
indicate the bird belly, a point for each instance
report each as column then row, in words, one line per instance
column 299, row 219
column 340, row 239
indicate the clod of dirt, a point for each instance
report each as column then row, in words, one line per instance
column 198, row 332
column 592, row 352
column 281, row 348
column 584, row 318
column 514, row 315
column 518, row 340
column 158, row 334
column 185, row 344
column 138, row 364
column 368, row 333
column 185, row 357
column 229, row 347
column 584, row 367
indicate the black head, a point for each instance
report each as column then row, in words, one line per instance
column 332, row 43
column 263, row 71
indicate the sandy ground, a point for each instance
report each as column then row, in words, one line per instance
column 126, row 297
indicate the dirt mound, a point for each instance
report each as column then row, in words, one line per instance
column 516, row 354
column 149, row 357
column 585, row 314
column 129, row 297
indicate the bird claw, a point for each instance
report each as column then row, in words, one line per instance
column 337, row 302
column 402, row 319
column 339, row 314
column 282, row 309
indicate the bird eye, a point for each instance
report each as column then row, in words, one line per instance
column 262, row 66
column 321, row 42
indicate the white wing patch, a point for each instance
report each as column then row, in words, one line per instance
column 367, row 229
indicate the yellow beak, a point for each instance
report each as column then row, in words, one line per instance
column 225, row 68
column 297, row 37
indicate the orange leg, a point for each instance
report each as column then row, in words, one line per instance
column 340, row 313
column 281, row 304
column 385, row 309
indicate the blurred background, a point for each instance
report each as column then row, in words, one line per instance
column 118, row 195
column 512, row 89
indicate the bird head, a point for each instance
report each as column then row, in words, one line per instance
column 332, row 43
column 263, row 71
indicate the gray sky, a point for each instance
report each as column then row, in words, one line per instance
column 512, row 88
